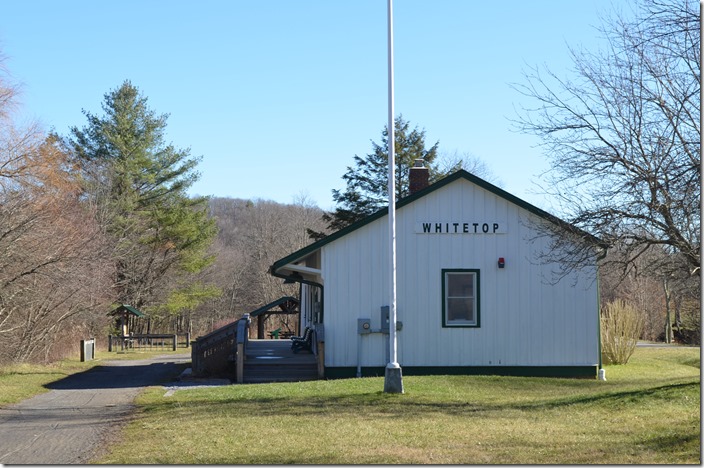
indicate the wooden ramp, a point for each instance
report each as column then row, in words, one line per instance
column 273, row 361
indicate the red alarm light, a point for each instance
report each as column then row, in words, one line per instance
column 502, row 262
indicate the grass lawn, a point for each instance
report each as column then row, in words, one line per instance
column 646, row 412
column 21, row 381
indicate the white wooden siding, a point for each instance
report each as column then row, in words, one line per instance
column 524, row 321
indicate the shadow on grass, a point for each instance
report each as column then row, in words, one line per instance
column 379, row 404
column 695, row 362
column 618, row 398
column 682, row 441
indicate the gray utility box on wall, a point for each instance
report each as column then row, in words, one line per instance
column 364, row 326
column 385, row 320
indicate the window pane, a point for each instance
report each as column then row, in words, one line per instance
column 461, row 307
column 460, row 285
column 460, row 310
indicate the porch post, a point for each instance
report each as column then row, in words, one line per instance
column 320, row 339
column 240, row 362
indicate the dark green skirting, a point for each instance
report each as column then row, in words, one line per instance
column 580, row 372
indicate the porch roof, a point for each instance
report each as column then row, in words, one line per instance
column 285, row 304
column 126, row 309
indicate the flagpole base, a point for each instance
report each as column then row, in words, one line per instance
column 393, row 380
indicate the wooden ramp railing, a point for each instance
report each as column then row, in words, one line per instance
column 212, row 354
column 261, row 360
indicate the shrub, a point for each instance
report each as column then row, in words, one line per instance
column 621, row 326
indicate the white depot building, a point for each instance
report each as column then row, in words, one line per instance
column 472, row 295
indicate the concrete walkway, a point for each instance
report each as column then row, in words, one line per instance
column 82, row 414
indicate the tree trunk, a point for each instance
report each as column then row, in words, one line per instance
column 668, row 316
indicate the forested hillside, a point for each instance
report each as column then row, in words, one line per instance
column 252, row 235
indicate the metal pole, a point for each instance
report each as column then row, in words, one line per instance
column 393, row 382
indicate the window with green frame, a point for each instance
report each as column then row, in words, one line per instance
column 460, row 298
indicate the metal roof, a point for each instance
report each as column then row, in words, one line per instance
column 126, row 308
column 283, row 301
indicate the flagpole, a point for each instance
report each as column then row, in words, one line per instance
column 393, row 381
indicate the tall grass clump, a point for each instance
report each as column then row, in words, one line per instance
column 621, row 327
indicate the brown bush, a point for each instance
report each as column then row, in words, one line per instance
column 621, row 327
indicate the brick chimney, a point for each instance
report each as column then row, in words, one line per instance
column 418, row 177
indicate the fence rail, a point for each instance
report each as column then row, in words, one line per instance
column 151, row 341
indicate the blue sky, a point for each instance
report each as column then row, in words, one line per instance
column 278, row 96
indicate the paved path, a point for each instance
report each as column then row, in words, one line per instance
column 76, row 420
column 648, row 344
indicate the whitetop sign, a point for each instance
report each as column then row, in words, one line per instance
column 460, row 227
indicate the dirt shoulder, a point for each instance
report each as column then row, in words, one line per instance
column 78, row 418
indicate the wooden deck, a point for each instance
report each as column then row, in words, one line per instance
column 273, row 361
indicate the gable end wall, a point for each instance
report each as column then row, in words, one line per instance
column 524, row 320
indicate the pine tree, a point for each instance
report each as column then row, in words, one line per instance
column 367, row 182
column 160, row 235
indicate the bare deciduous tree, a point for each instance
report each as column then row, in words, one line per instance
column 452, row 162
column 623, row 137
column 50, row 248
column 53, row 278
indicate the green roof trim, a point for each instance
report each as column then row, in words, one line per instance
column 128, row 309
column 461, row 174
column 271, row 305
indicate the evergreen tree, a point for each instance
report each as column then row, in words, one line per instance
column 160, row 235
column 367, row 182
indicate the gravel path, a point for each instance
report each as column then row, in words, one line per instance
column 76, row 420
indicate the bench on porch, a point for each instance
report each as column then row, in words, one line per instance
column 304, row 342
